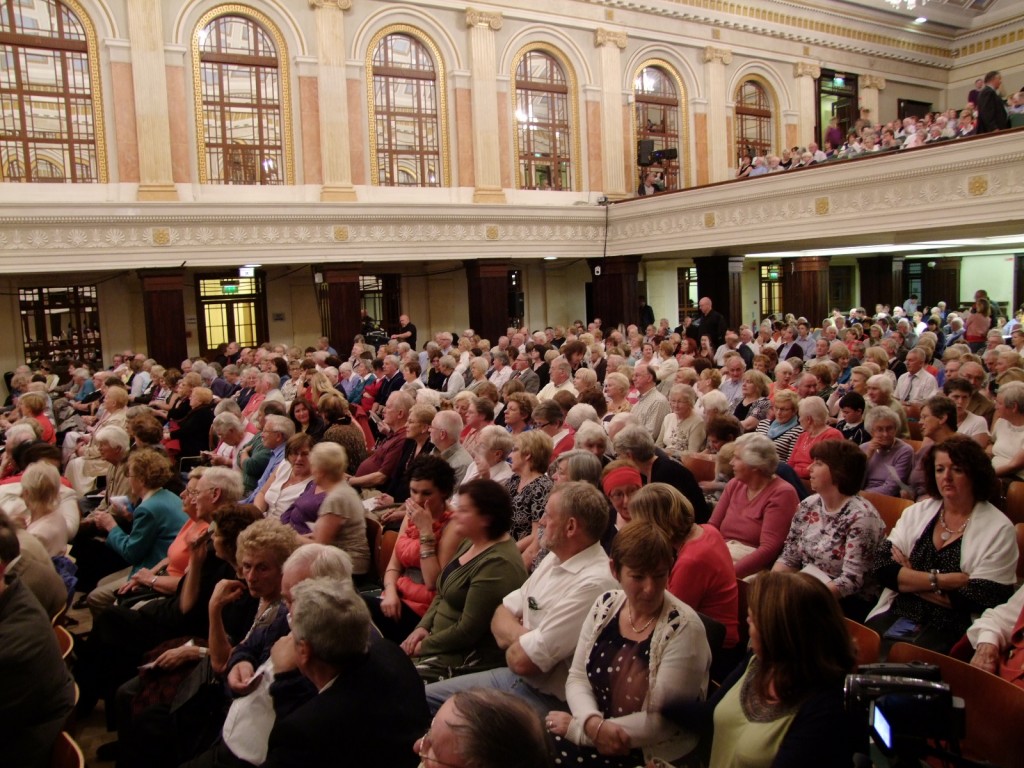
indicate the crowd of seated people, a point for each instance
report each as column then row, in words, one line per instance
column 217, row 488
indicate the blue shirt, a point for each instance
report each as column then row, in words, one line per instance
column 275, row 458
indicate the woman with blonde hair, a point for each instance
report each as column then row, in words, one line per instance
column 616, row 389
column 40, row 490
column 754, row 403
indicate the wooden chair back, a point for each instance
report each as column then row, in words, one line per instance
column 374, row 537
column 65, row 641
column 703, row 469
column 742, row 588
column 866, row 640
column 66, row 753
column 889, row 507
column 387, row 546
column 994, row 707
column 916, row 432
column 1015, row 502
column 915, row 443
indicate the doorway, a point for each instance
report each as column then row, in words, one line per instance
column 837, row 98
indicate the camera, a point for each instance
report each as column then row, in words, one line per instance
column 908, row 713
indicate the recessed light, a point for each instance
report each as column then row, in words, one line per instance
column 920, row 19
column 550, row 258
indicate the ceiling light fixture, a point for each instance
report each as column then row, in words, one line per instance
column 908, row 4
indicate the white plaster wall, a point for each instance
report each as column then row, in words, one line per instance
column 991, row 273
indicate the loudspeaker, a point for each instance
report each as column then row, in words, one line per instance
column 644, row 151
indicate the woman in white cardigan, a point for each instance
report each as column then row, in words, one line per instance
column 949, row 557
column 638, row 646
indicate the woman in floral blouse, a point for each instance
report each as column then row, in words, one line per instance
column 835, row 532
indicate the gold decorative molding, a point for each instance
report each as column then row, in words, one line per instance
column 709, row 220
column 872, row 81
column 161, row 236
column 341, row 234
column 684, row 118
column 341, row 5
column 442, row 98
column 607, row 36
column 491, row 233
column 574, row 106
column 284, row 77
column 807, row 69
column 1013, row 37
column 723, row 55
column 475, row 18
column 96, row 86
column 821, row 206
column 977, row 186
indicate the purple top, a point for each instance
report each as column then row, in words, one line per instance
column 302, row 514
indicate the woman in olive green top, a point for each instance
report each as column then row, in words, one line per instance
column 783, row 708
column 454, row 636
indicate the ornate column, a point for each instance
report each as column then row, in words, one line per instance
column 613, row 159
column 806, row 73
column 149, row 85
column 333, row 92
column 868, row 87
column 484, row 68
column 164, row 307
column 715, row 61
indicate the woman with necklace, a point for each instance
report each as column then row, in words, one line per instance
column 835, row 532
column 949, row 557
column 659, row 649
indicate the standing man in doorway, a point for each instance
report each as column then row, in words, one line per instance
column 708, row 323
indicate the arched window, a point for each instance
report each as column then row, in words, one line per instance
column 657, row 118
column 241, row 103
column 753, row 120
column 543, row 128
column 49, row 131
column 407, row 129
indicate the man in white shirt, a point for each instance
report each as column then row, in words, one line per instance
column 561, row 379
column 916, row 385
column 732, row 382
column 652, row 407
column 539, row 624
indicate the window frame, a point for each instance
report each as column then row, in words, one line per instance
column 575, row 171
column 681, row 166
column 763, row 117
column 441, row 95
column 98, row 142
column 284, row 88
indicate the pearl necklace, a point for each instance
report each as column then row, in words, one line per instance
column 949, row 533
column 639, row 630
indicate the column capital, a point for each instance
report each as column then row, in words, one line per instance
column 341, row 5
column 806, row 69
column 872, row 81
column 604, row 37
column 723, row 55
column 475, row 18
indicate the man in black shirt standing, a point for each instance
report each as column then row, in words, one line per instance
column 708, row 323
column 406, row 331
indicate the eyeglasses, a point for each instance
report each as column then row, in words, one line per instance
column 541, row 424
column 425, row 745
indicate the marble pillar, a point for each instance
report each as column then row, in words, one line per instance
column 333, row 92
column 484, row 105
column 613, row 158
column 719, row 141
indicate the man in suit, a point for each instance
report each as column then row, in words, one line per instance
column 370, row 706
column 524, row 373
column 992, row 115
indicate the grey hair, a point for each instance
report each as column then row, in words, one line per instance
column 877, row 413
column 581, row 465
column 1013, row 395
column 715, row 399
column 272, row 379
column 881, row 381
column 636, row 442
column 584, row 502
column 329, row 458
column 330, row 616
column 497, row 438
column 815, row 408
column 592, row 433
column 227, row 405
column 114, row 437
column 686, row 391
column 228, row 481
column 280, row 424
column 758, row 452
column 19, row 433
column 580, row 414
column 321, row 561
column 227, row 422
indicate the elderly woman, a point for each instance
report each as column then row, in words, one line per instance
column 835, row 532
column 754, row 403
column 702, row 576
column 288, row 479
column 192, row 432
column 529, row 488
column 784, row 375
column 889, row 458
column 712, row 405
column 616, row 389
column 756, row 508
column 454, row 636
column 342, row 428
column 783, row 425
column 938, row 424
column 879, row 392
column 949, row 557
column 83, row 463
column 479, row 414
column 814, row 420
column 425, row 545
column 157, row 517
column 233, row 437
column 490, row 456
column 40, row 491
column 619, row 481
column 33, row 406
column 682, row 431
column 660, row 653
column 518, row 411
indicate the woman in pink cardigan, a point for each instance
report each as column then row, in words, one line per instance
column 756, row 508
column 814, row 420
